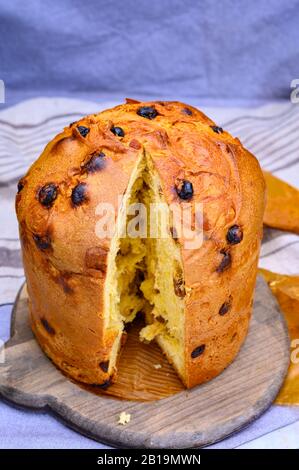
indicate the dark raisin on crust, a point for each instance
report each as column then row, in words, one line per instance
column 198, row 351
column 43, row 243
column 225, row 307
column 187, row 111
column 148, row 112
column 118, row 131
column 95, row 163
column 47, row 326
column 83, row 130
column 104, row 385
column 20, row 186
column 184, row 190
column 226, row 261
column 104, row 366
column 234, row 235
column 47, row 194
column 217, row 129
column 79, row 194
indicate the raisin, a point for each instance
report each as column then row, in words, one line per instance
column 42, row 242
column 47, row 326
column 148, row 112
column 226, row 261
column 83, row 130
column 225, row 307
column 217, row 129
column 234, row 235
column 20, row 186
column 187, row 111
column 79, row 194
column 104, row 366
column 96, row 163
column 185, row 190
column 47, row 194
column 198, row 351
column 118, row 131
column 104, row 385
column 160, row 319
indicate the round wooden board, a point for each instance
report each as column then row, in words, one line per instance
column 193, row 418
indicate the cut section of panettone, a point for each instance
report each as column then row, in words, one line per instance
column 144, row 273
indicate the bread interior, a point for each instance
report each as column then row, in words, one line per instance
column 145, row 274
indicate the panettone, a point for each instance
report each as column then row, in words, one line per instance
column 83, row 288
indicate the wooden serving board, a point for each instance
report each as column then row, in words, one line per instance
column 194, row 418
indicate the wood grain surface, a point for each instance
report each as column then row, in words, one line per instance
column 193, row 418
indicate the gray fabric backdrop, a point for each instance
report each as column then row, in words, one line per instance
column 228, row 50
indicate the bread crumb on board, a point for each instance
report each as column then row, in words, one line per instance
column 124, row 418
column 157, row 366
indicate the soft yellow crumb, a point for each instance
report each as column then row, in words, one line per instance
column 157, row 366
column 124, row 418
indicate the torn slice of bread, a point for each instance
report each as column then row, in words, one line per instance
column 144, row 272
column 84, row 288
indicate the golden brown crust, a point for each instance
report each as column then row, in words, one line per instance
column 65, row 261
